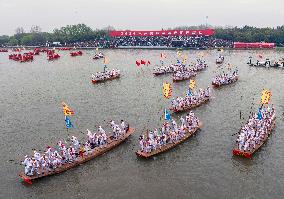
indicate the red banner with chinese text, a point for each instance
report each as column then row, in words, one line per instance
column 193, row 33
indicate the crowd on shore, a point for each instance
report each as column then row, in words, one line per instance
column 172, row 41
column 201, row 42
column 168, row 134
column 60, row 155
column 255, row 131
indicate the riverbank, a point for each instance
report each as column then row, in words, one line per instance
column 141, row 47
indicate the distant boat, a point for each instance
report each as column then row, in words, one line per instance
column 105, row 76
column 220, row 60
column 100, row 55
column 76, row 53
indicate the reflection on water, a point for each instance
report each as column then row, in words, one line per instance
column 201, row 167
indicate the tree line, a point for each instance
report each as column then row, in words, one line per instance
column 83, row 33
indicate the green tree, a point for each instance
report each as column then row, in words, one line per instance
column 27, row 40
column 13, row 41
column 4, row 39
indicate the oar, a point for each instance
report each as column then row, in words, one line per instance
column 14, row 162
column 235, row 133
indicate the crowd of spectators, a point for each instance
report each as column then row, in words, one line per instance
column 148, row 41
column 156, row 41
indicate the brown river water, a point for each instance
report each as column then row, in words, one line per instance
column 202, row 167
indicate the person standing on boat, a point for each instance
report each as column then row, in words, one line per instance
column 175, row 127
column 141, row 143
column 28, row 166
column 167, row 128
column 71, row 154
column 104, row 138
column 35, row 166
column 90, row 138
column 101, row 130
column 64, row 154
column 87, row 148
column 182, row 121
column 36, row 155
column 57, row 159
column 112, row 123
column 207, row 92
column 49, row 152
column 123, row 126
column 43, row 164
column 76, row 143
column 118, row 131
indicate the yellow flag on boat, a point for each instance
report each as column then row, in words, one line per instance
column 178, row 53
column 97, row 49
column 184, row 59
column 191, row 84
column 167, row 90
column 106, row 61
column 265, row 96
column 66, row 110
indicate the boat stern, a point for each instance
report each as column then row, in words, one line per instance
column 241, row 153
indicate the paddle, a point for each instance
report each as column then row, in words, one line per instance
column 14, row 162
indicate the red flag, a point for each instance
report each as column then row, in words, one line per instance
column 143, row 62
column 137, row 63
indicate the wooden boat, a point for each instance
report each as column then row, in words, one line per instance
column 111, row 143
column 171, row 69
column 220, row 60
column 232, row 81
column 168, row 146
column 94, row 81
column 195, row 69
column 186, row 108
column 162, row 72
column 98, row 56
column 65, row 48
column 248, row 154
column 77, row 53
column 267, row 63
column 53, row 57
column 178, row 79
